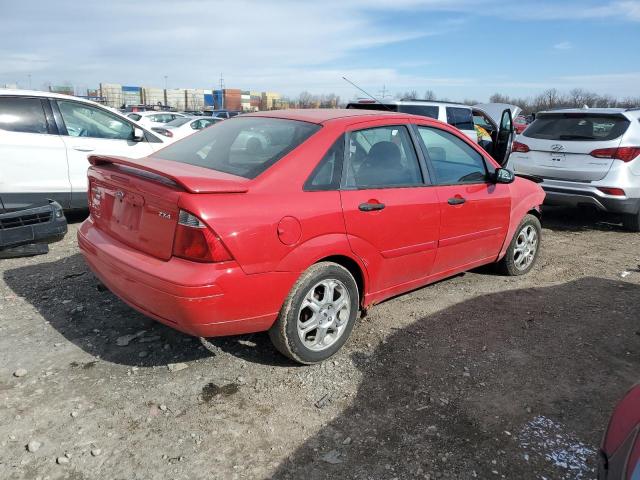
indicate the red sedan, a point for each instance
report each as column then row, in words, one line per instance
column 292, row 221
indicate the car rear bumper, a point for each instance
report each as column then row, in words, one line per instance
column 576, row 195
column 201, row 299
column 42, row 224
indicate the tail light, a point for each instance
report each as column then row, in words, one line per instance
column 612, row 191
column 196, row 241
column 626, row 154
column 519, row 147
column 163, row 131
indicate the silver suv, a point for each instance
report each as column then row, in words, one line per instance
column 588, row 156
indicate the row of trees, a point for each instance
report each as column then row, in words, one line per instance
column 547, row 100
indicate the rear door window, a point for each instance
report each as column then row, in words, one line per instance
column 577, row 126
column 459, row 117
column 21, row 114
column 382, row 157
column 243, row 146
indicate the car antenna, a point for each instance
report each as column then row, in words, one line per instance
column 366, row 93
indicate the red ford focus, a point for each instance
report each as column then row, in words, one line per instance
column 292, row 221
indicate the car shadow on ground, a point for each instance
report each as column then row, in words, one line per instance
column 67, row 295
column 580, row 219
column 513, row 384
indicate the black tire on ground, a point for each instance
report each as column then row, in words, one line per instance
column 284, row 332
column 631, row 222
column 509, row 265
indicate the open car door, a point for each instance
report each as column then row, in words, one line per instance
column 501, row 116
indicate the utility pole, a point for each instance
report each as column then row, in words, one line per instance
column 29, row 81
column 383, row 92
column 165, row 90
column 221, row 92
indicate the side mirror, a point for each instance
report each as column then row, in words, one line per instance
column 502, row 175
column 138, row 134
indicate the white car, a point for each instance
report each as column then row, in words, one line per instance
column 154, row 119
column 45, row 139
column 184, row 126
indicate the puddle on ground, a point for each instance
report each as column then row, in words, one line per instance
column 550, row 439
column 211, row 391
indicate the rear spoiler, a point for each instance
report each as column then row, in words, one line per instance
column 191, row 178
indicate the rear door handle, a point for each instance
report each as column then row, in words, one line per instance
column 83, row 149
column 370, row 207
column 456, row 201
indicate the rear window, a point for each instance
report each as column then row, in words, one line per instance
column 459, row 117
column 430, row 111
column 577, row 126
column 243, row 146
column 19, row 114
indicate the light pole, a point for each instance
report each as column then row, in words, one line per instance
column 165, row 91
column 29, row 81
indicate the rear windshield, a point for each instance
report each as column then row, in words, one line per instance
column 576, row 126
column 461, row 118
column 243, row 146
column 176, row 122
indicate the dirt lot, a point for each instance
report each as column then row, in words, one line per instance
column 479, row 376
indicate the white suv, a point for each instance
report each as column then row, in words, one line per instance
column 586, row 156
column 45, row 139
column 152, row 118
column 496, row 118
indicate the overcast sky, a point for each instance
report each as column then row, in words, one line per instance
column 460, row 49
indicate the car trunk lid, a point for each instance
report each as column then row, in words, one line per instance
column 137, row 201
column 560, row 145
column 563, row 160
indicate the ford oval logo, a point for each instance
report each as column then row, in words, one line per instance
column 557, row 147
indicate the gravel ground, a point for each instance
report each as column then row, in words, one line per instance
column 479, row 376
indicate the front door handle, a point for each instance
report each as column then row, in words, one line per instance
column 370, row 207
column 456, row 201
column 83, row 149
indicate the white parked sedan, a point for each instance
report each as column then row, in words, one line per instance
column 183, row 127
column 154, row 119
column 45, row 139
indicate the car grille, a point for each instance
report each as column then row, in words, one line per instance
column 24, row 220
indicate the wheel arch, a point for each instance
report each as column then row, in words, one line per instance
column 354, row 269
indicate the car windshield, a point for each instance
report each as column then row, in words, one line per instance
column 178, row 121
column 577, row 126
column 243, row 146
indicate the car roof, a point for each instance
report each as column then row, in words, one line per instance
column 322, row 115
column 411, row 101
column 586, row 110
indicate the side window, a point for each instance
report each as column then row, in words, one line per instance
column 88, row 121
column 22, row 115
column 382, row 157
column 459, row 117
column 134, row 116
column 327, row 174
column 453, row 160
column 196, row 125
column 506, row 121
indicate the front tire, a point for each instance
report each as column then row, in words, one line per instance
column 523, row 250
column 317, row 317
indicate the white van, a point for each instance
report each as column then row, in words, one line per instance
column 45, row 139
column 496, row 118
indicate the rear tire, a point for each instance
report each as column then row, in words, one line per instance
column 318, row 315
column 524, row 248
column 631, row 222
